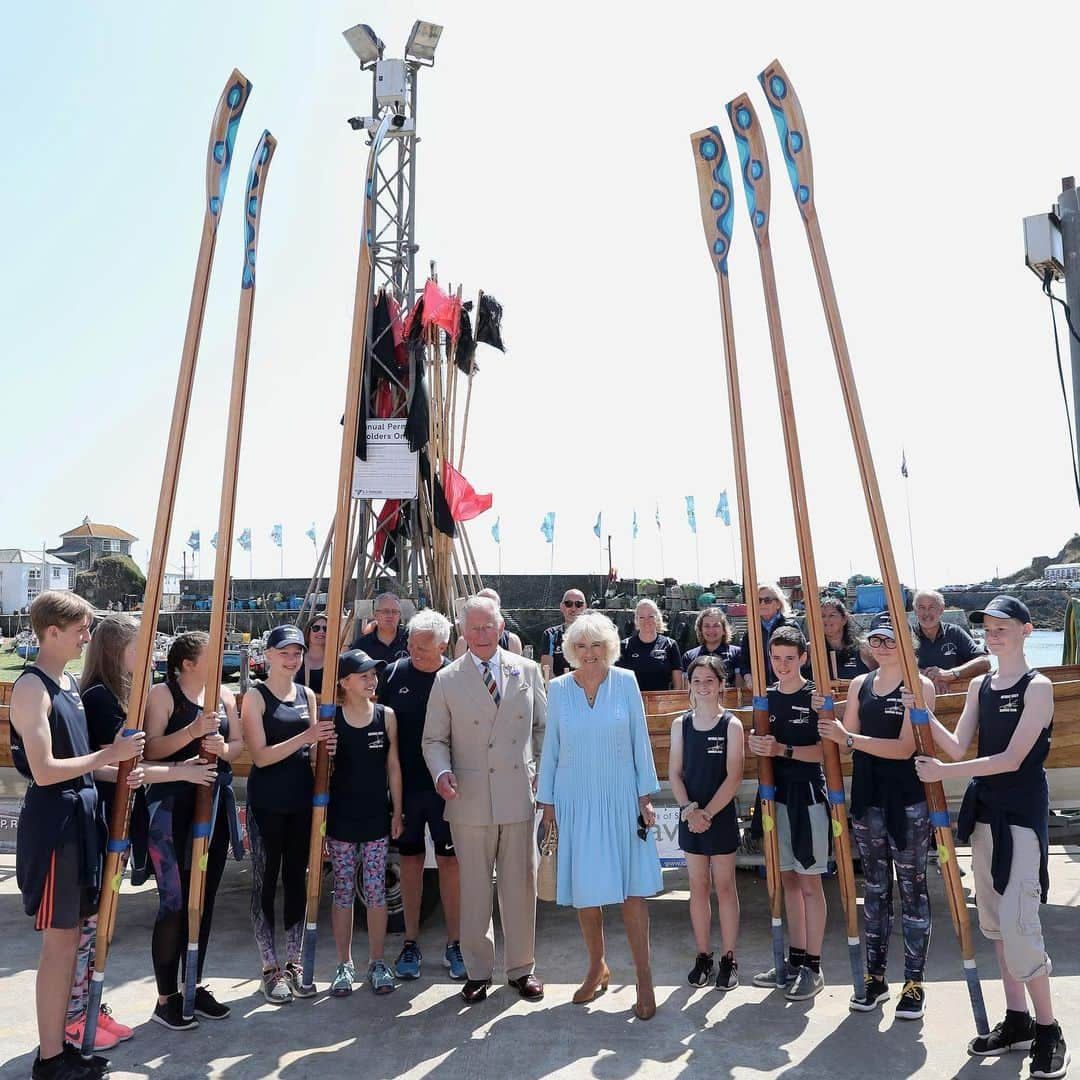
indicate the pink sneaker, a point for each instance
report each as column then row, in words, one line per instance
column 103, row 1040
column 113, row 1026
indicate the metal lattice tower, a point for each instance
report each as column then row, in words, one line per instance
column 394, row 247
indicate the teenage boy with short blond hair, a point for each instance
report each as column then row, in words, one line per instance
column 60, row 833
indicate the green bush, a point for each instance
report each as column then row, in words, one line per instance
column 113, row 578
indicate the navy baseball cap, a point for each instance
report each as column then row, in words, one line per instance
column 356, row 662
column 281, row 636
column 1002, row 607
column 882, row 626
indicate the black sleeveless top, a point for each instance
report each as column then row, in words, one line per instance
column 186, row 712
column 1016, row 798
column 793, row 723
column 286, row 786
column 359, row 805
column 704, row 757
column 889, row 784
column 54, row 815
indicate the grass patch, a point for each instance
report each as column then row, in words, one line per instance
column 11, row 665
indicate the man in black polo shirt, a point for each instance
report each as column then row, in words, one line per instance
column 388, row 641
column 551, row 656
column 947, row 654
column 405, row 688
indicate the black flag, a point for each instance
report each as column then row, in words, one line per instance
column 489, row 322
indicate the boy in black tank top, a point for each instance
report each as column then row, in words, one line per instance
column 1004, row 814
column 802, row 813
column 61, row 833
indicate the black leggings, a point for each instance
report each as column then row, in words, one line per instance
column 170, row 854
column 279, row 846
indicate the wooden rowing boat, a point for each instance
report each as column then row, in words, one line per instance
column 663, row 707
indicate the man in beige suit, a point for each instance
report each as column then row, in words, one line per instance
column 482, row 738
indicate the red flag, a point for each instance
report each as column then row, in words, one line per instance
column 464, row 502
column 387, row 523
column 440, row 309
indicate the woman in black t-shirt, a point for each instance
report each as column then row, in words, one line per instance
column 713, row 633
column 280, row 726
column 361, row 820
column 847, row 649
column 311, row 667
column 653, row 657
column 889, row 817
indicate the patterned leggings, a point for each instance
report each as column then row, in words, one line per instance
column 879, row 855
column 84, row 961
column 345, row 857
column 279, row 847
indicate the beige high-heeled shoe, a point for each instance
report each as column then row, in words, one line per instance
column 591, row 987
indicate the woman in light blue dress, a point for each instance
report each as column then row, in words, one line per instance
column 596, row 781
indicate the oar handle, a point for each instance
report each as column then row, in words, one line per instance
column 716, row 193
column 791, row 126
column 754, row 162
column 222, row 137
column 260, row 162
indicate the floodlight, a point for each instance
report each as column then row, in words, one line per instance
column 422, row 42
column 365, row 43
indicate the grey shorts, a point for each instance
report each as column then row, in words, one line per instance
column 1012, row 918
column 819, row 829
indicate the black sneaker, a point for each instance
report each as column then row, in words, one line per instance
column 702, row 969
column 1015, row 1032
column 96, row 1066
column 207, row 1005
column 171, row 1014
column 875, row 991
column 912, row 1002
column 1049, row 1055
column 727, row 977
column 61, row 1067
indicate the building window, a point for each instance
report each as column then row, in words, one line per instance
column 71, row 578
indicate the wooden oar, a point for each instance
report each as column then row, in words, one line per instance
column 750, row 140
column 717, row 216
column 219, row 157
column 339, row 554
column 791, row 125
column 202, row 825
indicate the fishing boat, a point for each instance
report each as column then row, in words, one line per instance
column 26, row 645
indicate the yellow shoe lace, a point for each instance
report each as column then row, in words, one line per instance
column 911, row 988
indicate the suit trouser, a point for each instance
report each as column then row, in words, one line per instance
column 509, row 851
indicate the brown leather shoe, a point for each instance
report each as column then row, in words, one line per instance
column 475, row 990
column 528, row 986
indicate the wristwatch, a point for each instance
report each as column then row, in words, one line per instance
column 849, row 742
column 789, row 751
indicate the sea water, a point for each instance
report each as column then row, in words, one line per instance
column 1042, row 648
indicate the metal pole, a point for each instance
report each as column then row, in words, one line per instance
column 1069, row 213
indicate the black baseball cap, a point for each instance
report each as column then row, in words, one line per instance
column 882, row 625
column 281, row 636
column 356, row 662
column 1002, row 607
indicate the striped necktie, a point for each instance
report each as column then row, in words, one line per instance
column 489, row 682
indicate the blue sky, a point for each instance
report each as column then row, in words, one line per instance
column 555, row 172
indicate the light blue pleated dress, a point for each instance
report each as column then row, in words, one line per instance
column 595, row 764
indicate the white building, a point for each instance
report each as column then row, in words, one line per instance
column 20, row 577
column 170, row 590
column 1066, row 571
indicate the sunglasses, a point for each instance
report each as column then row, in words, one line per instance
column 642, row 828
column 573, row 603
column 319, row 629
column 767, row 600
column 877, row 641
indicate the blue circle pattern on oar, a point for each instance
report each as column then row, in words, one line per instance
column 711, row 149
column 791, row 141
column 223, row 148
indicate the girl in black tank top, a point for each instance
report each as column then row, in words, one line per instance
column 179, row 730
column 280, row 727
column 706, row 768
column 890, row 820
column 364, row 813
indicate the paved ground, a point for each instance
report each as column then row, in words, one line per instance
column 425, row 1030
